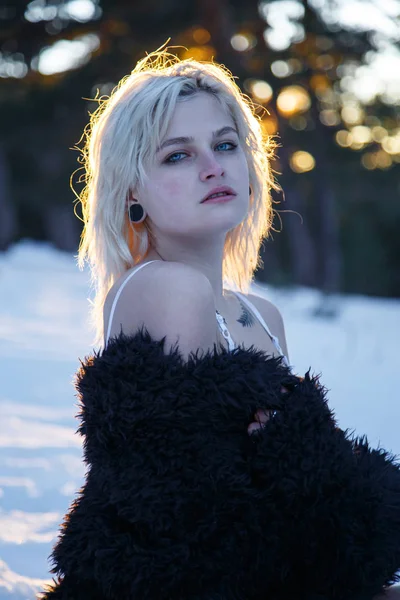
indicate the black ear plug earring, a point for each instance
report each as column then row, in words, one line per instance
column 249, row 190
column 136, row 213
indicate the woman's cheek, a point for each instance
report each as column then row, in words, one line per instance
column 172, row 188
column 169, row 187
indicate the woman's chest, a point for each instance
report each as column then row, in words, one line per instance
column 241, row 327
column 260, row 340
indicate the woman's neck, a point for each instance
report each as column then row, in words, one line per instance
column 222, row 297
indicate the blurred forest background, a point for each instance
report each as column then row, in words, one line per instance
column 326, row 71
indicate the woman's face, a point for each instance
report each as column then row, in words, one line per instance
column 183, row 173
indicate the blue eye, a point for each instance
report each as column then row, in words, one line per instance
column 230, row 144
column 169, row 161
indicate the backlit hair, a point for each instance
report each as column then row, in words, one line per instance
column 123, row 134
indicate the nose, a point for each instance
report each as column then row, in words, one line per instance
column 211, row 168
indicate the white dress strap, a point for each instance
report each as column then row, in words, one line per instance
column 223, row 327
column 273, row 337
column 117, row 295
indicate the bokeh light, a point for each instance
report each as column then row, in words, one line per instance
column 201, row 35
column 391, row 144
column 343, row 138
column 320, row 82
column 378, row 133
column 243, row 41
column 368, row 160
column 261, row 90
column 199, row 53
column 325, row 62
column 383, row 160
column 329, row 117
column 298, row 122
column 361, row 134
column 293, row 99
column 281, row 68
column 301, row 161
column 66, row 54
column 352, row 114
column 269, row 125
column 76, row 10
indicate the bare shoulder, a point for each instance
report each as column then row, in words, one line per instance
column 273, row 317
column 391, row 593
column 172, row 300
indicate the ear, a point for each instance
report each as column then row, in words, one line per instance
column 129, row 198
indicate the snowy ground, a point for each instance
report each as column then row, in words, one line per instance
column 43, row 331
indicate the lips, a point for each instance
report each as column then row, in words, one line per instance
column 220, row 189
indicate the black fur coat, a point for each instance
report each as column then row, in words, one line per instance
column 181, row 503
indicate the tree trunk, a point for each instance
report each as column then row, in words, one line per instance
column 8, row 216
column 61, row 227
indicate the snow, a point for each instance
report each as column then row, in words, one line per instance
column 43, row 331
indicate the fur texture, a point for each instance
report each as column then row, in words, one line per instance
column 181, row 503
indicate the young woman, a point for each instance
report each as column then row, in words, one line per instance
column 166, row 140
column 214, row 471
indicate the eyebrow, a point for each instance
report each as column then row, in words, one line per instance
column 187, row 140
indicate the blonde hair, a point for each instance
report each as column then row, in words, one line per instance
column 123, row 134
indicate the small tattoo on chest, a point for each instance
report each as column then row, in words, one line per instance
column 246, row 318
